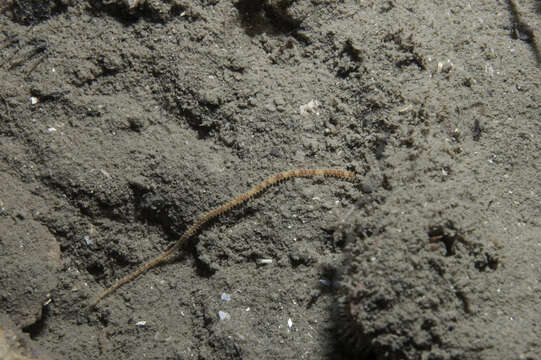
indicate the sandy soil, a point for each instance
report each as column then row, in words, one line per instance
column 123, row 122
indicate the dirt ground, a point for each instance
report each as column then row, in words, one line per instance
column 123, row 122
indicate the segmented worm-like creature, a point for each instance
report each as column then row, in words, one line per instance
column 347, row 175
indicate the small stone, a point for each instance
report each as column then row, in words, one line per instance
column 223, row 315
column 310, row 107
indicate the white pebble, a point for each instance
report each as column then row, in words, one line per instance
column 141, row 323
column 289, row 323
column 311, row 107
column 33, row 100
column 226, row 297
column 51, row 129
column 223, row 315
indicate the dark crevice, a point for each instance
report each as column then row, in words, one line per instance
column 406, row 48
column 486, row 261
column 466, row 303
column 38, row 327
column 260, row 16
column 476, row 130
column 95, row 269
column 350, row 62
column 32, row 12
column 447, row 236
column 124, row 13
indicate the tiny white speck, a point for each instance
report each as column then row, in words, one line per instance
column 51, row 129
column 87, row 240
column 247, row 309
column 33, row 100
column 141, row 323
column 289, row 323
column 226, row 297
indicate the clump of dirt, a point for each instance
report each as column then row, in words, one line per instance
column 30, row 254
column 30, row 12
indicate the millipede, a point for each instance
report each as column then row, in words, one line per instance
column 274, row 180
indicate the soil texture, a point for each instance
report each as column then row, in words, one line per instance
column 122, row 122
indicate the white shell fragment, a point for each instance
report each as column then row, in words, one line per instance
column 289, row 323
column 140, row 323
column 264, row 261
column 309, row 108
column 224, row 315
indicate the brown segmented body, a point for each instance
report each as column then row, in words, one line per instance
column 347, row 175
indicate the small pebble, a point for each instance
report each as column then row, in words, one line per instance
column 226, row 297
column 223, row 315
column 140, row 323
column 311, row 107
